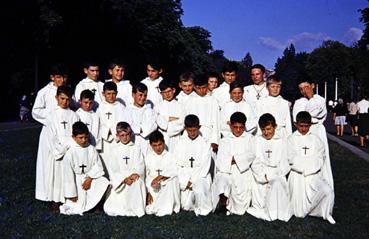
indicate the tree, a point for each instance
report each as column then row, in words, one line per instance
column 245, row 69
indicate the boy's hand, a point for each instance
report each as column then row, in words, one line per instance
column 156, row 181
column 128, row 181
column 86, row 185
column 149, row 199
column 189, row 186
column 134, row 177
column 74, row 199
column 214, row 147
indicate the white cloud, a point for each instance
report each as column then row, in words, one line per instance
column 271, row 43
column 352, row 35
column 307, row 41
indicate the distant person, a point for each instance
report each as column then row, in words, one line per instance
column 352, row 117
column 213, row 82
column 24, row 110
column 363, row 106
column 258, row 89
column 186, row 84
column 152, row 81
column 339, row 117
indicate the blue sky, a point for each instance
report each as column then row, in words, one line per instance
column 266, row 27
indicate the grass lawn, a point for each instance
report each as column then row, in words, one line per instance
column 21, row 216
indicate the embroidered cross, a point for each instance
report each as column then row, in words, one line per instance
column 305, row 148
column 64, row 123
column 191, row 160
column 158, row 170
column 268, row 152
column 108, row 114
column 83, row 168
column 94, row 91
column 126, row 158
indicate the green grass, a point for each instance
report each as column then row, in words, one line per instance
column 21, row 216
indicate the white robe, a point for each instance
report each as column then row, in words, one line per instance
column 251, row 92
column 80, row 163
column 198, row 154
column 310, row 192
column 95, row 86
column 207, row 110
column 171, row 130
column 126, row 200
column 231, row 107
column 45, row 102
column 166, row 200
column 234, row 181
column 110, row 114
column 182, row 97
column 124, row 95
column 270, row 199
column 280, row 109
column 59, row 132
column 143, row 122
column 91, row 119
column 153, row 92
column 317, row 108
column 221, row 94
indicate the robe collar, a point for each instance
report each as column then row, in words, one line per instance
column 88, row 80
column 121, row 82
column 130, row 143
column 299, row 134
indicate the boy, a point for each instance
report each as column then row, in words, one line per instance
column 258, row 89
column 213, row 82
column 170, row 115
column 270, row 199
column 84, row 183
column 128, row 195
column 45, row 103
column 236, row 104
column 141, row 117
column 275, row 105
column 186, row 83
column 110, row 112
column 162, row 184
column 233, row 180
column 229, row 74
column 193, row 156
column 92, row 83
column 154, row 70
column 59, row 133
column 311, row 193
column 89, row 117
column 117, row 71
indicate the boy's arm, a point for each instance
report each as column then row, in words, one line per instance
column 204, row 168
column 245, row 159
column 70, row 186
column 224, row 158
column 148, row 122
column 97, row 169
column 39, row 111
column 316, row 107
column 175, row 127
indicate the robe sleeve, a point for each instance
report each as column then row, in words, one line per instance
column 224, row 158
column 245, row 159
column 162, row 121
column 298, row 106
column 215, row 133
column 316, row 108
column 258, row 167
column 104, row 129
column 127, row 117
column 288, row 121
column 70, row 186
column 139, row 163
column 203, row 170
column 251, row 122
column 183, row 172
column 39, row 111
column 148, row 122
column 175, row 127
column 97, row 169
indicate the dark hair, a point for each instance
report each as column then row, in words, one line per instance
column 236, row 84
column 124, row 126
column 303, row 117
column 187, row 76
column 165, row 84
column 238, row 117
column 230, row 66
column 155, row 65
column 110, row 85
column 258, row 66
column 88, row 64
column 200, row 81
column 214, row 75
column 115, row 62
column 273, row 79
column 87, row 94
column 79, row 128
column 305, row 79
column 191, row 121
column 265, row 120
column 58, row 69
column 156, row 136
column 140, row 87
column 64, row 89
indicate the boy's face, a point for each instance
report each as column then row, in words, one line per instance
column 110, row 96
column 257, row 76
column 158, row 147
column 92, row 72
column 86, row 104
column 117, row 73
column 237, row 129
column 139, row 98
column 168, row 94
column 201, row 90
column 268, row 131
column 303, row 128
column 81, row 139
column 212, row 83
column 237, row 94
column 63, row 100
column 193, row 132
column 306, row 88
column 152, row 73
column 58, row 80
column 229, row 77
column 124, row 137
column 186, row 86
column 274, row 89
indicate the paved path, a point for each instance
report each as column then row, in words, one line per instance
column 17, row 125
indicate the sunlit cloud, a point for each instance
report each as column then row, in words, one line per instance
column 352, row 35
column 271, row 43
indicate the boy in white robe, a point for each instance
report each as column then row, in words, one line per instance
column 91, row 83
column 152, row 82
column 186, row 84
column 84, row 181
column 169, row 115
column 258, row 89
column 110, row 112
column 193, row 157
column 229, row 74
column 141, row 117
column 213, row 82
column 90, row 117
column 236, row 104
column 310, row 191
column 45, row 103
column 270, row 196
column 233, row 180
column 163, row 195
column 275, row 105
column 59, row 132
column 117, row 71
column 128, row 194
